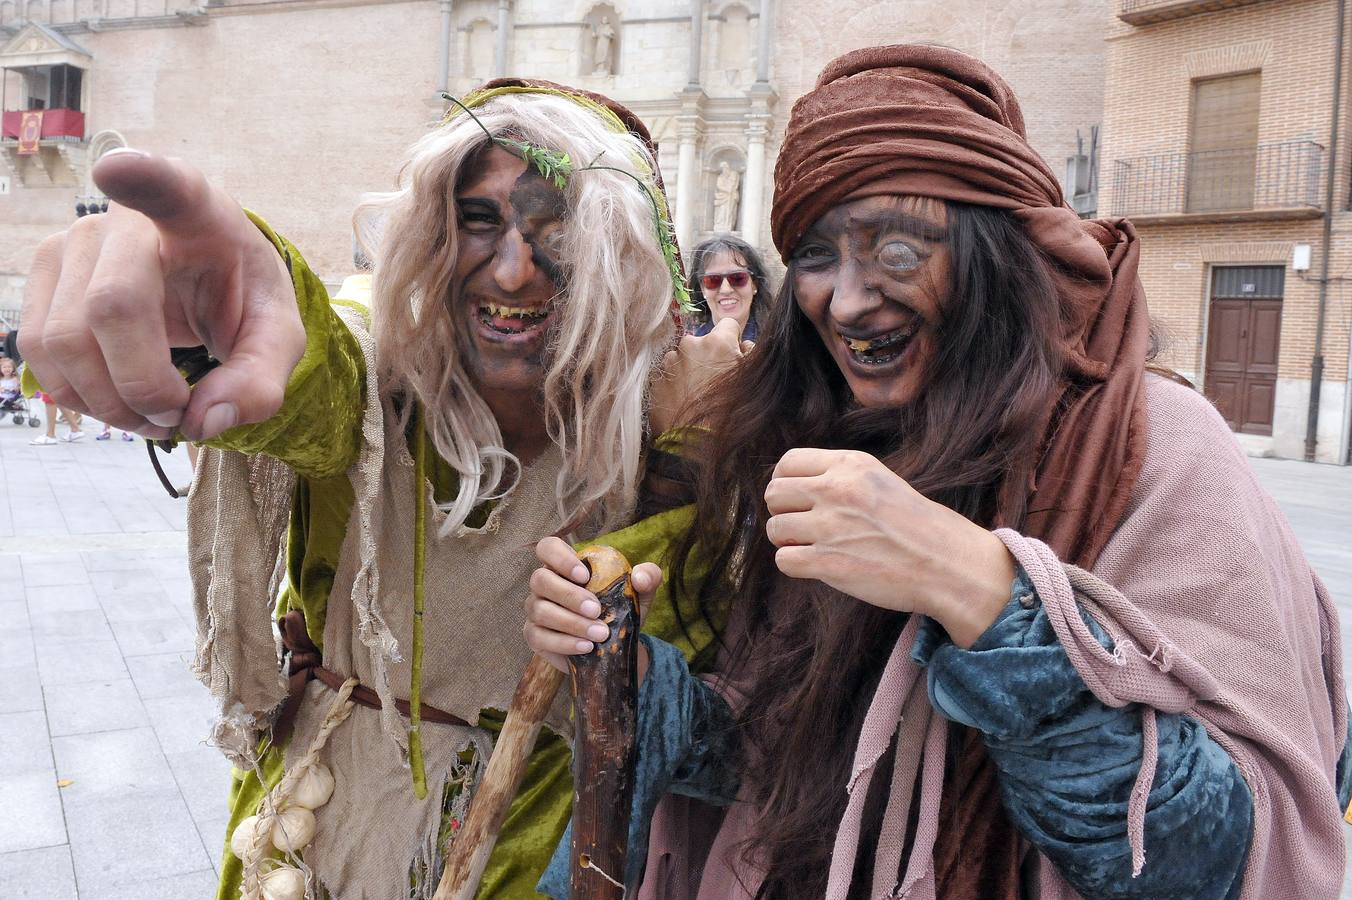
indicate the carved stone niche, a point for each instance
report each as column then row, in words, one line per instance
column 475, row 54
column 480, row 41
column 600, row 41
column 724, row 180
column 734, row 45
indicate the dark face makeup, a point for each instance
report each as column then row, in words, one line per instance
column 538, row 210
column 871, row 275
column 507, row 273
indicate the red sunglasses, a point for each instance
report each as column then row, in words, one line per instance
column 736, row 279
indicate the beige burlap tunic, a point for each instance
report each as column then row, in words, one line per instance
column 473, row 655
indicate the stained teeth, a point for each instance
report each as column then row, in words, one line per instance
column 879, row 344
column 514, row 312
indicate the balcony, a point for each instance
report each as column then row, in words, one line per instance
column 1264, row 183
column 57, row 125
column 1146, row 12
column 62, row 150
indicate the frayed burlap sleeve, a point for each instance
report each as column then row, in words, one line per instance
column 238, row 512
column 238, row 515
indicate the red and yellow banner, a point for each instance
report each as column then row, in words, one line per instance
column 30, row 132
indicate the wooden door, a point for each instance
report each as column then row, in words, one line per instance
column 1243, row 339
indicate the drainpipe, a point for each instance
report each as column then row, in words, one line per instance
column 1347, row 411
column 1317, row 363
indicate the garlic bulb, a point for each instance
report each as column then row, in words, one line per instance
column 314, row 788
column 283, row 883
column 293, row 828
column 242, row 837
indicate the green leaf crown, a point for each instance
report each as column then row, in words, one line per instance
column 557, row 168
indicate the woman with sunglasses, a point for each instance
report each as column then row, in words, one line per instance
column 727, row 277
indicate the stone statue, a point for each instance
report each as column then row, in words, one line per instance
column 602, row 49
column 726, row 193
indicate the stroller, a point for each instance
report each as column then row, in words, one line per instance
column 16, row 407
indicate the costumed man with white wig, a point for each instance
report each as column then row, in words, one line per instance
column 360, row 534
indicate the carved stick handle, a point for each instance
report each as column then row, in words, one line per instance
column 605, row 703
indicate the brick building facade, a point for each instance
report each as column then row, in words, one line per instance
column 298, row 107
column 1218, row 118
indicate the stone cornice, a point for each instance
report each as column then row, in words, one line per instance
column 275, row 6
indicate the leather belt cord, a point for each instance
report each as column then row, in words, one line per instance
column 307, row 665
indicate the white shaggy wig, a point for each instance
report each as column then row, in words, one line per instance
column 612, row 323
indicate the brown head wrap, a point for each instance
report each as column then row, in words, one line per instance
column 933, row 122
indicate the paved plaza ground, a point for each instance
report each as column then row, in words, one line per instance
column 106, row 787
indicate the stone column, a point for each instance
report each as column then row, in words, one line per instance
column 758, row 120
column 753, row 186
column 696, row 43
column 443, row 79
column 716, row 45
column 687, row 179
column 504, row 23
column 763, row 43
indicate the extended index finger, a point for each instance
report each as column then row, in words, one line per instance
column 171, row 193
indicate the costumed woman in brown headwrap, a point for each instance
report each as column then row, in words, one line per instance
column 1009, row 614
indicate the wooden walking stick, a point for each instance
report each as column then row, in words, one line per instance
column 605, row 704
column 474, row 842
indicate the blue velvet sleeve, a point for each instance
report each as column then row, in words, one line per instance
column 1067, row 763
column 686, row 745
column 1343, row 775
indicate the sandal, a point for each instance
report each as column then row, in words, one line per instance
column 127, row 436
column 103, row 436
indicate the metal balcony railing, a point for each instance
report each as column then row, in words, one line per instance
column 1276, row 176
column 1144, row 12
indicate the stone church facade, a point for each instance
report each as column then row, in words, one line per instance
column 298, row 107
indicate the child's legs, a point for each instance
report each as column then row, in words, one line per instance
column 73, row 420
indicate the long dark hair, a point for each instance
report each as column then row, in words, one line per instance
column 806, row 657
column 704, row 253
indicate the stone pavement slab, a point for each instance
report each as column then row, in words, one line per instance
column 33, row 814
column 91, row 546
column 44, row 874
